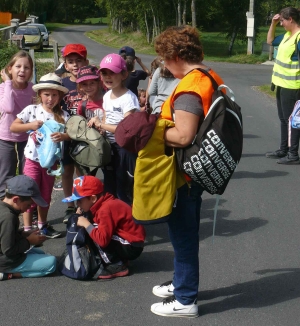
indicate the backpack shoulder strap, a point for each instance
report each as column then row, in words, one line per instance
column 296, row 46
column 213, row 81
column 83, row 107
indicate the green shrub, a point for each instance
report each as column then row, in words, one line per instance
column 7, row 50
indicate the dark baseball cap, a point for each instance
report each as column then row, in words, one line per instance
column 128, row 51
column 87, row 73
column 22, row 185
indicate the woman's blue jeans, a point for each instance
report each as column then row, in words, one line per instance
column 184, row 234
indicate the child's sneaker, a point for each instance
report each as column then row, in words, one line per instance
column 69, row 211
column 170, row 307
column 5, row 276
column 113, row 270
column 164, row 290
column 58, row 186
column 50, row 232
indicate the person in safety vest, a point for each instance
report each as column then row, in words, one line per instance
column 181, row 51
column 286, row 78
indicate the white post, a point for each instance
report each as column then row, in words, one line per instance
column 15, row 24
column 250, row 28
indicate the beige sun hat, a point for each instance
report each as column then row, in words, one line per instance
column 50, row 81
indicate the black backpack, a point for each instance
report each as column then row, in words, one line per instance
column 217, row 148
column 81, row 259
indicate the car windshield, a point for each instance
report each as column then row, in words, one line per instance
column 27, row 31
column 42, row 29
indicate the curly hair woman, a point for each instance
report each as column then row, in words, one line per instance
column 182, row 53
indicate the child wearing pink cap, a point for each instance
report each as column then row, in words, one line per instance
column 118, row 103
column 89, row 83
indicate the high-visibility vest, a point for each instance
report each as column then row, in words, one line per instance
column 286, row 73
column 195, row 82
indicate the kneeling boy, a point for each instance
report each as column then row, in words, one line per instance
column 116, row 235
column 18, row 257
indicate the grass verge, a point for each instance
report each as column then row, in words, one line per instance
column 215, row 45
column 267, row 90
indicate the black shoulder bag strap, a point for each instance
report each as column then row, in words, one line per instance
column 296, row 47
column 83, row 107
column 213, row 81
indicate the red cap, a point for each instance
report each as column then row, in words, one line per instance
column 85, row 186
column 75, row 48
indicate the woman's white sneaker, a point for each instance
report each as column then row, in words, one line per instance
column 164, row 290
column 170, row 307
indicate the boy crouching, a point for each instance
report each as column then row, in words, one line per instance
column 114, row 232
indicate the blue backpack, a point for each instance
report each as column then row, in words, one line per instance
column 295, row 116
column 81, row 259
column 48, row 151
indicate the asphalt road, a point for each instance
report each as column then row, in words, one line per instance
column 250, row 276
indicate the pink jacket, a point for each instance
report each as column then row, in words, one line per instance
column 12, row 102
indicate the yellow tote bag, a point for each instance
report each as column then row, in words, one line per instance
column 156, row 179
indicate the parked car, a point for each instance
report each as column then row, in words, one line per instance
column 44, row 33
column 32, row 35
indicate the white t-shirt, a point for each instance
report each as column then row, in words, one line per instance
column 32, row 113
column 115, row 109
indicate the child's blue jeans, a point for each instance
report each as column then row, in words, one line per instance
column 36, row 264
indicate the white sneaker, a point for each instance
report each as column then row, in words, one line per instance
column 170, row 307
column 164, row 290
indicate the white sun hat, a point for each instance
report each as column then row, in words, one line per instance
column 50, row 81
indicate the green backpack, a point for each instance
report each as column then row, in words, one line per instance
column 88, row 147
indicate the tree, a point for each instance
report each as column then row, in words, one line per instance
column 193, row 10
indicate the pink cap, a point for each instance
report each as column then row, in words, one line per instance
column 113, row 62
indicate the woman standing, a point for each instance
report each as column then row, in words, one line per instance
column 286, row 78
column 181, row 51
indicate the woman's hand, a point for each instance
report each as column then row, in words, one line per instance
column 276, row 19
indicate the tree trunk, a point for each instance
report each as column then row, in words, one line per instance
column 184, row 13
column 155, row 33
column 233, row 37
column 193, row 10
column 179, row 13
column 147, row 29
column 176, row 12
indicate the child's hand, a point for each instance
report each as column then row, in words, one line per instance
column 82, row 221
column 95, row 121
column 4, row 75
column 36, row 124
column 79, row 210
column 57, row 137
column 35, row 238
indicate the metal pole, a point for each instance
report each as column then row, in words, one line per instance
column 250, row 16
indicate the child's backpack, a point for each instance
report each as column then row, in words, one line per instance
column 217, row 148
column 48, row 151
column 88, row 147
column 81, row 259
column 295, row 116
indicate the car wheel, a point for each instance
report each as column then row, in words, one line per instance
column 41, row 47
